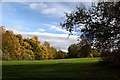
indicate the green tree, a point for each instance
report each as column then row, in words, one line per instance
column 85, row 50
column 101, row 25
column 61, row 55
column 54, row 51
column 73, row 51
column 76, row 50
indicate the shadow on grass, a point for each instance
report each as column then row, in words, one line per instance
column 60, row 71
column 60, row 79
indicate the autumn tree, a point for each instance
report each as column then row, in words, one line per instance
column 15, row 47
column 34, row 44
column 49, row 48
column 27, row 53
column 10, row 44
column 1, row 31
column 19, row 36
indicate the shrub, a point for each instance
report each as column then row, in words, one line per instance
column 112, row 58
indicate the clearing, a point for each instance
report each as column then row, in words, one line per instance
column 74, row 68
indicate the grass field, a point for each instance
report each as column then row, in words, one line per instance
column 79, row 68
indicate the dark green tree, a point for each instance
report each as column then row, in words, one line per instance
column 77, row 51
column 101, row 25
column 73, row 51
column 61, row 55
column 85, row 50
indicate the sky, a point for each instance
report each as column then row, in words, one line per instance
column 41, row 19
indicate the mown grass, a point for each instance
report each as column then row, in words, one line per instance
column 62, row 69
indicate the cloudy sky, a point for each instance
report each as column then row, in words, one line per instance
column 40, row 18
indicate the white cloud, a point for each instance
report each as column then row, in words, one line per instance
column 52, row 8
column 54, row 27
column 37, row 6
column 58, row 41
column 41, row 30
column 62, row 8
column 17, row 28
column 42, row 7
column 49, row 11
column 55, row 0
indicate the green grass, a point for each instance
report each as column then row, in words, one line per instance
column 76, row 68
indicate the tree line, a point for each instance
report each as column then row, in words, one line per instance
column 79, row 51
column 15, row 47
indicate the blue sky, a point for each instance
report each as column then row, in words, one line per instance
column 41, row 19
